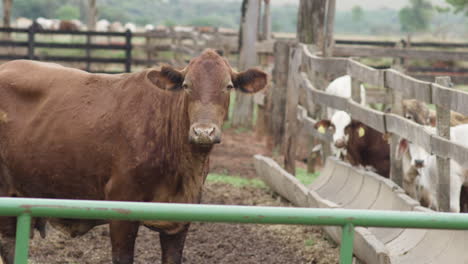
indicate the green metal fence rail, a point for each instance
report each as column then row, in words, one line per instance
column 25, row 208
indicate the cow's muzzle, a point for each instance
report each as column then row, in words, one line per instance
column 204, row 134
column 340, row 143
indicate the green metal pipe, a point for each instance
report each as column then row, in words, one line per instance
column 228, row 214
column 23, row 229
column 346, row 249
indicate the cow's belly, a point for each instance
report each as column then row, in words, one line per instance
column 46, row 175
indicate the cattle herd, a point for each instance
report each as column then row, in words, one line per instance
column 102, row 25
column 365, row 147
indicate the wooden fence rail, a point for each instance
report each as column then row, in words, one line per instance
column 32, row 44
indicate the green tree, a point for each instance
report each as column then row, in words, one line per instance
column 357, row 13
column 459, row 5
column 416, row 17
column 67, row 12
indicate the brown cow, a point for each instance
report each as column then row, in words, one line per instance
column 145, row 136
column 67, row 25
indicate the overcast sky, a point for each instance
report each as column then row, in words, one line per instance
column 366, row 4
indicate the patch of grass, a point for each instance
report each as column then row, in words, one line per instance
column 309, row 242
column 304, row 177
column 235, row 181
column 240, row 130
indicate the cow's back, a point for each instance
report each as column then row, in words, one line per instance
column 48, row 114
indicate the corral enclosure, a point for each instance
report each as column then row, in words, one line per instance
column 287, row 112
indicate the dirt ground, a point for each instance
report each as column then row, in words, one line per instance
column 208, row 242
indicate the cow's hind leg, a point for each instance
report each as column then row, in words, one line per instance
column 7, row 239
column 123, row 235
column 172, row 246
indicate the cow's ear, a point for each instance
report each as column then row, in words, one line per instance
column 167, row 78
column 322, row 125
column 250, row 81
column 402, row 148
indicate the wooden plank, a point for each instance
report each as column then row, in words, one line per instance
column 307, row 86
column 410, row 87
column 377, row 96
column 365, row 74
column 428, row 77
column 370, row 117
column 409, row 53
column 309, row 123
column 276, row 102
column 407, row 129
column 457, row 99
column 329, row 43
column 292, row 101
column 443, row 130
column 328, row 100
column 333, row 66
column 266, row 46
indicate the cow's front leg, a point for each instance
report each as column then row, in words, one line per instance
column 123, row 235
column 172, row 246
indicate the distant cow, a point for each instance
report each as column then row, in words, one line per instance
column 362, row 145
column 68, row 25
column 456, row 118
column 145, row 136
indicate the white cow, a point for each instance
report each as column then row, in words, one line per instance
column 149, row 27
column 45, row 23
column 130, row 26
column 341, row 86
column 427, row 170
column 102, row 25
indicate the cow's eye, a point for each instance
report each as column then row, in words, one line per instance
column 410, row 117
column 230, row 86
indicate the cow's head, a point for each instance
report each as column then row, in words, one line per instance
column 416, row 111
column 341, row 125
column 207, row 82
column 415, row 153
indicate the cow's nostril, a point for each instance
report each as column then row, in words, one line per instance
column 211, row 131
column 197, row 131
column 419, row 163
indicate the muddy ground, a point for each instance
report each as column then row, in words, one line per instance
column 208, row 242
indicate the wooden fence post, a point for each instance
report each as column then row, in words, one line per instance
column 329, row 41
column 276, row 96
column 128, row 51
column 31, row 40
column 88, row 52
column 290, row 135
column 443, row 130
column 149, row 49
column 356, row 90
column 243, row 113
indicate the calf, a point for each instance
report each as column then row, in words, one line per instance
column 427, row 169
column 143, row 136
column 362, row 145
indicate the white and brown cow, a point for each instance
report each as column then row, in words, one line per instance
column 362, row 145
